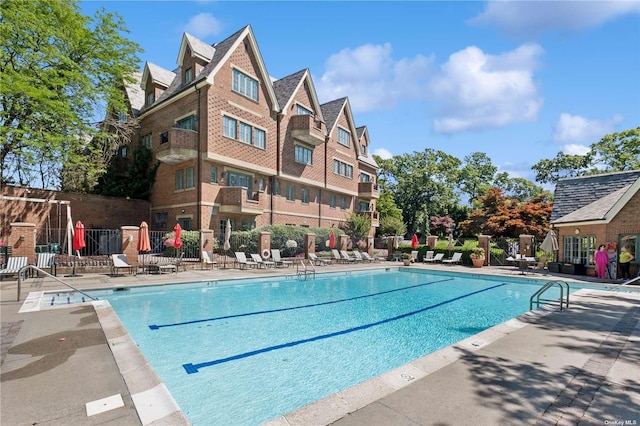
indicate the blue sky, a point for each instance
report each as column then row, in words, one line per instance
column 518, row 80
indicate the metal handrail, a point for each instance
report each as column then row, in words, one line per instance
column 24, row 269
column 305, row 271
column 546, row 287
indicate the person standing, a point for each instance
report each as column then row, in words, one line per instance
column 625, row 262
column 602, row 260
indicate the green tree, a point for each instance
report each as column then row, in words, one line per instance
column 520, row 188
column 422, row 183
column 619, row 151
column 390, row 215
column 135, row 182
column 357, row 226
column 476, row 176
column 60, row 71
column 563, row 166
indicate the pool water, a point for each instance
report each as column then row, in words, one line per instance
column 246, row 351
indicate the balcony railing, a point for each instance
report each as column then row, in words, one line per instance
column 368, row 190
column 307, row 129
column 239, row 200
column 373, row 215
column 178, row 145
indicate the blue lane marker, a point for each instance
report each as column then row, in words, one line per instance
column 156, row 327
column 193, row 368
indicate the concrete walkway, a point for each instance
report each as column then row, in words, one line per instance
column 578, row 366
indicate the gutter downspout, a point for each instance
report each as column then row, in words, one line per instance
column 273, row 178
column 199, row 165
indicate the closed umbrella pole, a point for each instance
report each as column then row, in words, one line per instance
column 78, row 244
column 144, row 242
column 227, row 241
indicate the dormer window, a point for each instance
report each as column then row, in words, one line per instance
column 300, row 110
column 150, row 98
column 363, row 147
column 188, row 75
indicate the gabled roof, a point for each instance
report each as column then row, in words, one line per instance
column 287, row 86
column 135, row 94
column 363, row 133
column 198, row 48
column 331, row 111
column 157, row 74
column 593, row 198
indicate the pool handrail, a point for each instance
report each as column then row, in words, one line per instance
column 546, row 287
column 24, row 269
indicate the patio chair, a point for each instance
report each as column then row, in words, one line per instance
column 346, row 257
column 14, row 264
column 541, row 266
column 47, row 261
column 275, row 255
column 261, row 262
column 428, row 257
column 336, row 256
column 243, row 263
column 318, row 260
column 367, row 257
column 414, row 256
column 120, row 262
column 208, row 262
column 437, row 258
column 360, row 257
column 456, row 258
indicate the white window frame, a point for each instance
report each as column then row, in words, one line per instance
column 303, row 155
column 344, row 137
column 245, row 85
column 229, row 127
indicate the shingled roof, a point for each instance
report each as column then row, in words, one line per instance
column 590, row 197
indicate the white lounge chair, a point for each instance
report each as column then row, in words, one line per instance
column 14, row 264
column 456, row 258
column 428, row 257
column 346, row 257
column 318, row 260
column 275, row 255
column 47, row 261
column 262, row 263
column 241, row 260
column 360, row 256
column 336, row 256
column 208, row 261
column 414, row 256
column 367, row 257
column 120, row 262
column 437, row 258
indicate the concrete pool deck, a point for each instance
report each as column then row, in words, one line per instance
column 576, row 366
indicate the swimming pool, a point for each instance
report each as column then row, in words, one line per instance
column 246, row 351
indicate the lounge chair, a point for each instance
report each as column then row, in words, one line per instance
column 47, row 261
column 437, row 258
column 241, row 260
column 456, row 258
column 14, row 264
column 414, row 256
column 120, row 262
column 428, row 257
column 275, row 255
column 318, row 260
column 261, row 262
column 368, row 258
column 346, row 257
column 360, row 257
column 541, row 266
column 336, row 256
column 208, row 261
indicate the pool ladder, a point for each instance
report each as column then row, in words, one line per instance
column 536, row 296
column 304, row 270
column 22, row 275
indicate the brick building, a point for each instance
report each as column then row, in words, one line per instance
column 234, row 143
column 593, row 210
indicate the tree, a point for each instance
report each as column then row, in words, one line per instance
column 563, row 166
column 136, row 182
column 422, row 183
column 442, row 225
column 357, row 226
column 476, row 176
column 60, row 72
column 390, row 215
column 519, row 188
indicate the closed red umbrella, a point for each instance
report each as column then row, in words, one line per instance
column 332, row 240
column 144, row 244
column 414, row 241
column 177, row 243
column 78, row 237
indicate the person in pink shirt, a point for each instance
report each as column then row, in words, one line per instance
column 602, row 260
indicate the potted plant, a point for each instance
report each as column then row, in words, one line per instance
column 406, row 259
column 477, row 257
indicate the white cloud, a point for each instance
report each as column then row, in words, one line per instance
column 529, row 18
column 575, row 149
column 371, row 78
column 574, row 128
column 203, row 25
column 383, row 153
column 476, row 90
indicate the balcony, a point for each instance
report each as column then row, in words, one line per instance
column 178, row 145
column 238, row 200
column 307, row 129
column 374, row 216
column 368, row 190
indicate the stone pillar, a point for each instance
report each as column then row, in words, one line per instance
column 309, row 244
column 391, row 247
column 22, row 240
column 130, row 243
column 344, row 242
column 370, row 245
column 483, row 241
column 432, row 241
column 206, row 241
column 527, row 248
column 264, row 244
